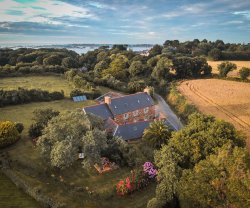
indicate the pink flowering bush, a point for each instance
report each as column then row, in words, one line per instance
column 137, row 180
column 149, row 169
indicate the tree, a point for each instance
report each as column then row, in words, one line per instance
column 117, row 68
column 162, row 68
column 244, row 73
column 168, row 175
column 156, row 50
column 191, row 67
column 76, row 131
column 201, row 137
column 63, row 154
column 41, row 118
column 215, row 54
column 136, row 68
column 8, row 133
column 156, row 134
column 222, row 180
column 69, row 62
column 225, row 67
column 52, row 60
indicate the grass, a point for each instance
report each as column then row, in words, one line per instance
column 11, row 196
column 29, row 166
column 49, row 83
column 23, row 113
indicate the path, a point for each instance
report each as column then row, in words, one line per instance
column 172, row 119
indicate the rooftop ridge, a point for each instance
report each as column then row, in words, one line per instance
column 128, row 95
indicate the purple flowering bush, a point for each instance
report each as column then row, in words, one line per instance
column 149, row 169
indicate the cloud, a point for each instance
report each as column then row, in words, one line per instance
column 245, row 14
column 233, row 22
column 41, row 11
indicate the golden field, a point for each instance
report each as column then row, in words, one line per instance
column 240, row 64
column 227, row 100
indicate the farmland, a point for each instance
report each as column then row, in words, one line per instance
column 239, row 64
column 226, row 100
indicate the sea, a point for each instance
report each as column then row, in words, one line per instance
column 78, row 48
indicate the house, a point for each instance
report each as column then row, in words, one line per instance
column 126, row 116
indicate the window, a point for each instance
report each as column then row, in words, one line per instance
column 146, row 110
column 125, row 116
column 135, row 113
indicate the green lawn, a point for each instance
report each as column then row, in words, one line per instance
column 11, row 196
column 23, row 113
column 50, row 83
column 25, row 153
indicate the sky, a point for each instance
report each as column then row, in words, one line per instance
column 123, row 21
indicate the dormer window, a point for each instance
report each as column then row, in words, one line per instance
column 146, row 110
column 125, row 115
column 135, row 113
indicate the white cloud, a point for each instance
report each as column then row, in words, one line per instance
column 42, row 11
column 245, row 14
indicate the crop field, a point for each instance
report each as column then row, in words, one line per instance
column 50, row 83
column 227, row 100
column 240, row 64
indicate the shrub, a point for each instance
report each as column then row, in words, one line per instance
column 244, row 73
column 8, row 133
column 19, row 127
column 225, row 67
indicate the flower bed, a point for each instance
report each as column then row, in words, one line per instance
column 137, row 180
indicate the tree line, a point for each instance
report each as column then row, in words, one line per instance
column 20, row 96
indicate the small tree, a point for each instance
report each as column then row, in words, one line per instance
column 244, row 73
column 225, row 67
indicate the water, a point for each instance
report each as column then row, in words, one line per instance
column 78, row 48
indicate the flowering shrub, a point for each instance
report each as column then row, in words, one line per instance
column 137, row 180
column 149, row 169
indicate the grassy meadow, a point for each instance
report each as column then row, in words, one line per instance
column 11, row 196
column 23, row 113
column 49, row 83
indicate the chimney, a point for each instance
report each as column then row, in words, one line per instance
column 107, row 100
column 149, row 90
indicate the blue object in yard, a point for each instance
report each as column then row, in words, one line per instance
column 79, row 98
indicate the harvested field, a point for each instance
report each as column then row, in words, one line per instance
column 227, row 100
column 240, row 64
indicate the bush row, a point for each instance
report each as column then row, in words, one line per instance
column 179, row 103
column 20, row 96
column 27, row 68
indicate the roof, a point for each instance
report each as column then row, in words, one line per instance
column 130, row 103
column 132, row 130
column 101, row 110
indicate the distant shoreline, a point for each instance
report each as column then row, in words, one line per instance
column 78, row 48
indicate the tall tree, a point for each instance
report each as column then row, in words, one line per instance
column 222, row 180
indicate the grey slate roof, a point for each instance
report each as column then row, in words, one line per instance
column 132, row 130
column 101, row 110
column 130, row 103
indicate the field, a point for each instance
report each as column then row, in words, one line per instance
column 10, row 193
column 239, row 64
column 226, row 100
column 23, row 113
column 50, row 83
